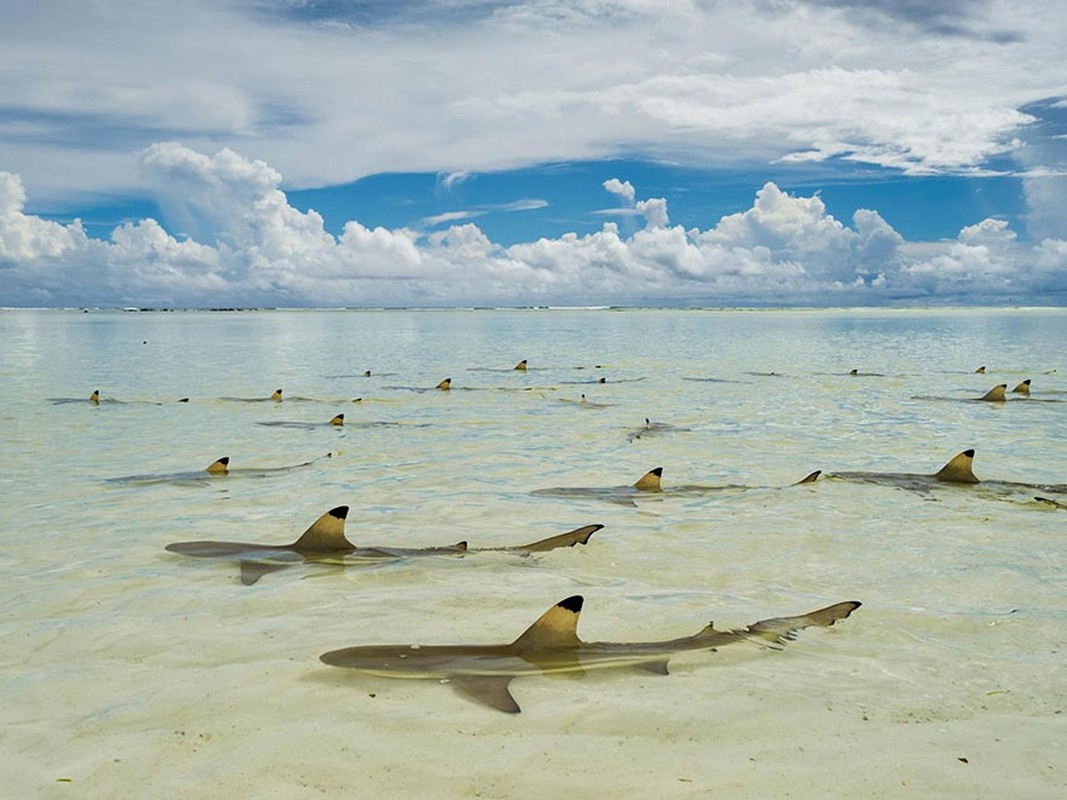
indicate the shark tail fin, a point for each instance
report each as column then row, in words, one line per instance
column 557, row 627
column 95, row 397
column 327, row 533
column 958, row 470
column 810, row 478
column 339, row 420
column 276, row 395
column 521, row 366
column 780, row 630
column 650, row 481
column 444, row 385
column 219, row 467
column 569, row 539
column 1023, row 388
column 996, row 394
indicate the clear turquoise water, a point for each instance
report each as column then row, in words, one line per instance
column 130, row 671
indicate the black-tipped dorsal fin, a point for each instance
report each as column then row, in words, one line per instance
column 461, row 546
column 277, row 395
column 95, row 396
column 557, row 627
column 810, row 478
column 584, row 399
column 1022, row 388
column 521, row 366
column 958, row 470
column 327, row 533
column 980, row 371
column 650, row 481
column 338, row 420
column 996, row 394
column 220, row 466
column 853, row 372
column 445, row 385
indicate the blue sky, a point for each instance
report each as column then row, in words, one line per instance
column 527, row 152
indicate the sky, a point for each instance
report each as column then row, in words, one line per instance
column 367, row 153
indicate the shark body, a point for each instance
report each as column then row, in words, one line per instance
column 958, row 471
column 325, row 542
column 650, row 484
column 551, row 645
column 218, row 469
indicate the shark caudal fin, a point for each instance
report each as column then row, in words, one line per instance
column 650, row 481
column 276, row 396
column 958, row 470
column 780, row 630
column 521, row 366
column 557, row 627
column 1023, row 388
column 326, row 534
column 444, row 385
column 339, row 420
column 569, row 539
column 996, row 394
column 95, row 397
column 219, row 467
column 810, row 478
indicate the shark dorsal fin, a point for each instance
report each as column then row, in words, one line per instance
column 811, row 478
column 853, row 372
column 461, row 546
column 980, row 371
column 277, row 395
column 1022, row 388
column 650, row 481
column 366, row 373
column 338, row 420
column 444, row 385
column 584, row 399
column 327, row 533
column 95, row 397
column 996, row 394
column 220, row 466
column 557, row 627
column 521, row 366
column 958, row 470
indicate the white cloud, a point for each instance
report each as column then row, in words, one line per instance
column 623, row 189
column 253, row 248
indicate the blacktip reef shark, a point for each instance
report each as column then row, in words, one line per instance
column 325, row 542
column 551, row 646
column 998, row 394
column 651, row 484
column 275, row 397
column 337, row 421
column 95, row 399
column 958, row 472
column 219, row 468
column 651, row 429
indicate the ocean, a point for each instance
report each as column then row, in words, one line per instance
column 129, row 671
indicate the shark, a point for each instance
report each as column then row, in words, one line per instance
column 325, row 542
column 958, row 471
column 336, row 421
column 219, row 468
column 651, row 429
column 651, row 484
column 551, row 646
column 275, row 397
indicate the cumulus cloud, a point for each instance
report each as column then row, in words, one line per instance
column 624, row 190
column 244, row 244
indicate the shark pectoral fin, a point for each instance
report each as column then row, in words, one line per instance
column 219, row 467
column 254, row 569
column 657, row 667
column 650, row 481
column 958, row 470
column 996, row 394
column 491, row 690
column 327, row 533
column 780, row 630
column 569, row 539
column 814, row 476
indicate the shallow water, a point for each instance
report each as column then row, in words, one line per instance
column 129, row 671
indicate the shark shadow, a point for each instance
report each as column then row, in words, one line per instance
column 551, row 645
column 325, row 542
column 957, row 472
column 218, row 469
column 651, row 484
